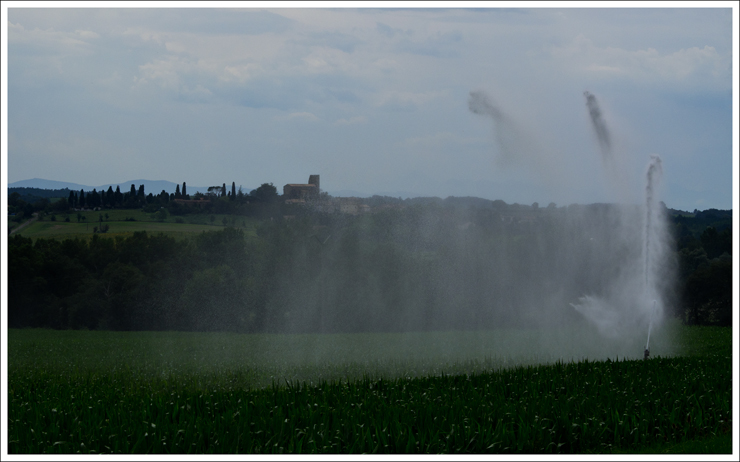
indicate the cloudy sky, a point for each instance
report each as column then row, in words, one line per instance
column 485, row 102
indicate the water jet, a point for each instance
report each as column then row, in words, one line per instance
column 650, row 326
column 650, row 238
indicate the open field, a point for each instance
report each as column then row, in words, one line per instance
column 61, row 231
column 14, row 227
column 160, row 392
column 126, row 222
column 313, row 358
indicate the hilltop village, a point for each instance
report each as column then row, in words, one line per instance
column 310, row 196
column 264, row 201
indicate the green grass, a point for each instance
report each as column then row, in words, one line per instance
column 312, row 358
column 451, row 392
column 704, row 341
column 12, row 225
column 60, row 231
column 120, row 224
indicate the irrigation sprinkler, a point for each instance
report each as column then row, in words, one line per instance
column 650, row 326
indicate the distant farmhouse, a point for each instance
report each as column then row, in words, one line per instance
column 297, row 193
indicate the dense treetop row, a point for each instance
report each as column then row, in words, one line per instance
column 23, row 202
column 433, row 264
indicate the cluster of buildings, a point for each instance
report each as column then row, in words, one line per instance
column 310, row 194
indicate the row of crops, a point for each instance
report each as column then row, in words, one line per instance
column 586, row 406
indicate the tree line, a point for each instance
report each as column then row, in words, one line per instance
column 24, row 202
column 428, row 266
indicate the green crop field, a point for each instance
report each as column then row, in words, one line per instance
column 435, row 392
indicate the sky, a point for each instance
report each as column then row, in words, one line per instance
column 490, row 102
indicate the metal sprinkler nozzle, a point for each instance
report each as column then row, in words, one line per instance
column 647, row 354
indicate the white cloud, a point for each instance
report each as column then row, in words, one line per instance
column 437, row 139
column 692, row 65
column 298, row 115
column 240, row 72
column 405, row 99
column 164, row 72
column 351, row 121
column 49, row 40
column 320, row 59
column 86, row 34
column 145, row 35
column 237, row 61
column 177, row 76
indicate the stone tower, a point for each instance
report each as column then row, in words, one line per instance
column 314, row 179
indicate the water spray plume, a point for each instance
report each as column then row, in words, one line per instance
column 625, row 306
column 517, row 146
column 599, row 125
column 650, row 326
column 654, row 171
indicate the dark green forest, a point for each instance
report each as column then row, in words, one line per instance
column 415, row 264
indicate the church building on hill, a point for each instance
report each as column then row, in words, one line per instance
column 295, row 192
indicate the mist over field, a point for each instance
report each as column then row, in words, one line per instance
column 600, row 273
column 582, row 276
column 569, row 109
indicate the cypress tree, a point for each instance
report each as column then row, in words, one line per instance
column 93, row 198
column 233, row 190
column 184, row 190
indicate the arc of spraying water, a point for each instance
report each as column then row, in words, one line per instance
column 650, row 325
column 654, row 169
